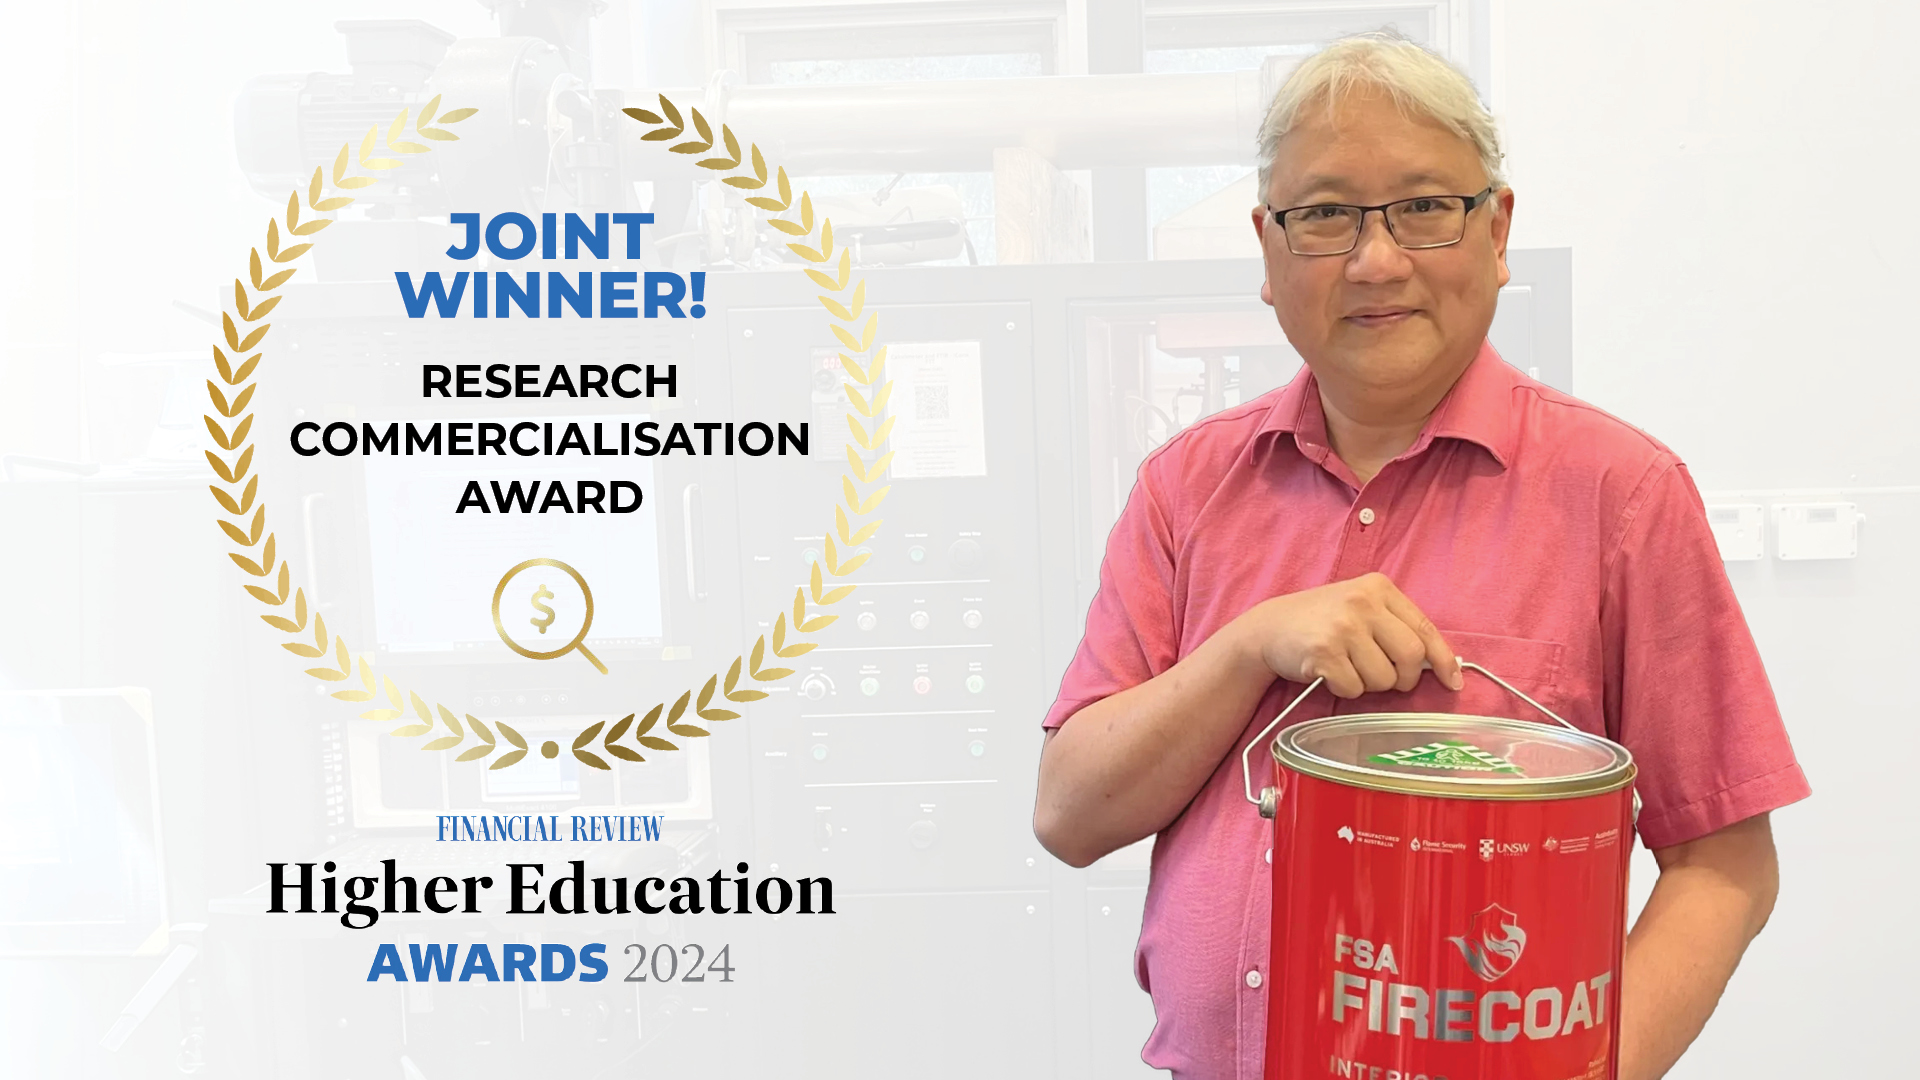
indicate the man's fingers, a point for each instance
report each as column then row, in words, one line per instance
column 1341, row 677
column 1376, row 671
column 1404, row 648
column 1445, row 664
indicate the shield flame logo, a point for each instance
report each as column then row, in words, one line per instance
column 1493, row 944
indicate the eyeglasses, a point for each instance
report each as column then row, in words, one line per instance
column 1426, row 221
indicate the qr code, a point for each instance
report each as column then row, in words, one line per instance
column 930, row 402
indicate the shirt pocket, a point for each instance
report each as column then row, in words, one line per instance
column 1531, row 665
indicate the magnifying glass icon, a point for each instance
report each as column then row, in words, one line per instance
column 544, row 614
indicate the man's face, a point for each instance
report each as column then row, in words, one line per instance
column 1381, row 317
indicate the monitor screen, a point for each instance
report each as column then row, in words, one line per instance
column 434, row 570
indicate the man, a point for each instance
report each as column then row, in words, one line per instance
column 1407, row 496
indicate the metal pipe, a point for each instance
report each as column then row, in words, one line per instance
column 1074, row 121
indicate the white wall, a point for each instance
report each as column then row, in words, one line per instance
column 1733, row 179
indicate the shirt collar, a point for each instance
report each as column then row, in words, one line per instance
column 1478, row 409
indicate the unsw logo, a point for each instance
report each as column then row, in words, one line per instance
column 1490, row 847
column 1493, row 943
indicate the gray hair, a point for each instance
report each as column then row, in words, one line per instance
column 1417, row 79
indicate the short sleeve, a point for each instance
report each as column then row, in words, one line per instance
column 1685, row 688
column 1131, row 634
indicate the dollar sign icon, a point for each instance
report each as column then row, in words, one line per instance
column 545, row 618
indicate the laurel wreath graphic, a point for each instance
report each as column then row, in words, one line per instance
column 230, row 424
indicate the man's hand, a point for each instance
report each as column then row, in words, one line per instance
column 1125, row 766
column 1360, row 635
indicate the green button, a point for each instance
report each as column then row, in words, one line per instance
column 916, row 553
column 975, row 684
column 976, row 748
column 869, row 686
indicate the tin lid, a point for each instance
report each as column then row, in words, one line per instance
column 1465, row 757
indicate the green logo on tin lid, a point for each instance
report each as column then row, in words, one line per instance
column 1448, row 754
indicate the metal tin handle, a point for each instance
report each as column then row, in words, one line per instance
column 1266, row 799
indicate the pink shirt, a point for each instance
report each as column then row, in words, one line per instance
column 1564, row 550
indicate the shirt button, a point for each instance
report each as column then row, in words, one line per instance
column 1253, row 979
column 1269, row 856
column 1366, row 516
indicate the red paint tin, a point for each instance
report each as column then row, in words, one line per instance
column 1449, row 898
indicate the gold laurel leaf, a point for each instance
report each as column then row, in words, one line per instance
column 854, row 371
column 409, row 147
column 680, row 704
column 457, row 115
column 476, row 752
column 298, row 649
column 239, row 537
column 411, row 730
column 353, row 695
column 687, row 730
column 480, row 729
column 264, row 284
column 619, row 728
column 718, row 714
column 672, row 113
column 700, row 125
column 859, row 301
column 590, row 759
column 380, row 715
column 886, row 428
column 733, row 677
column 512, row 735
column 624, row 753
column 366, row 674
column 398, row 127
column 706, row 693
column 859, row 402
column 644, row 116
column 507, row 759
column 647, row 721
column 859, row 433
column 220, row 467
column 866, row 532
column 880, row 399
column 838, row 309
column 393, row 692
column 438, row 135
column 834, row 595
column 420, row 707
column 278, row 622
column 788, row 227
column 327, row 673
column 452, row 722
column 586, row 736
column 779, row 633
column 807, row 253
column 654, row 743
column 247, row 564
column 426, row 112
column 446, row 743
